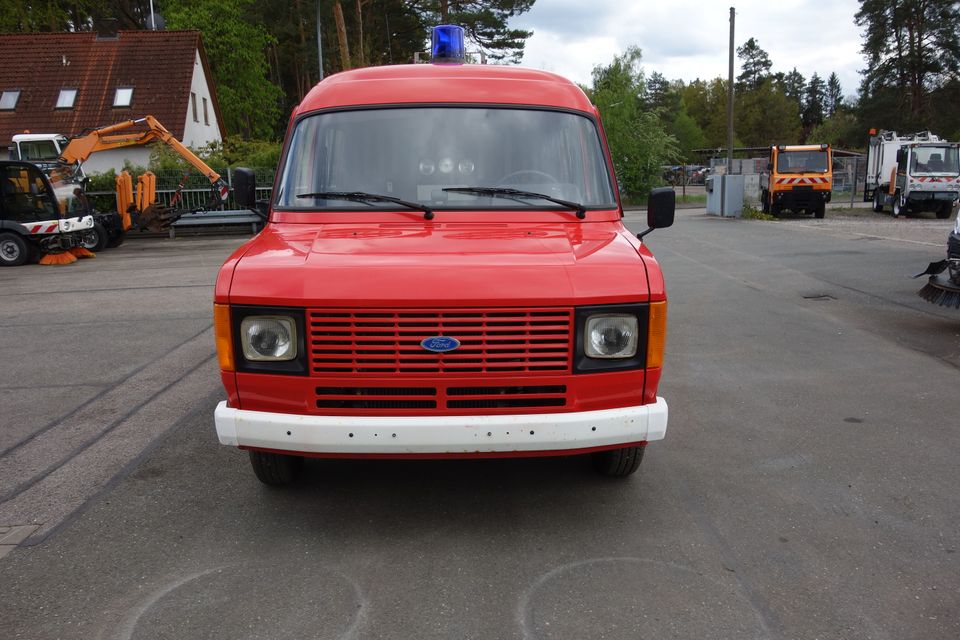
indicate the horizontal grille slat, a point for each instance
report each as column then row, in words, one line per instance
column 523, row 341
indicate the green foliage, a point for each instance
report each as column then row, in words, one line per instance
column 841, row 130
column 766, row 116
column 750, row 212
column 834, row 98
column 813, row 101
column 105, row 181
column 688, row 134
column 250, row 103
column 639, row 143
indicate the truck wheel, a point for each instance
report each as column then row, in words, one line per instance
column 944, row 211
column 116, row 240
column 275, row 469
column 775, row 209
column 618, row 463
column 764, row 201
column 897, row 207
column 820, row 211
column 13, row 250
column 877, row 201
column 95, row 238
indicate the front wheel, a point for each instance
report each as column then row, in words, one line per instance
column 944, row 211
column 116, row 240
column 95, row 238
column 618, row 463
column 820, row 211
column 897, row 206
column 13, row 250
column 275, row 469
column 765, row 201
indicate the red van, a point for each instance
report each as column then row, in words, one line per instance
column 445, row 273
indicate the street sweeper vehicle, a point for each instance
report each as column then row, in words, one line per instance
column 798, row 178
column 943, row 285
column 445, row 273
column 912, row 173
column 39, row 219
column 137, row 210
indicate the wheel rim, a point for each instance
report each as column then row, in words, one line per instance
column 90, row 240
column 10, row 250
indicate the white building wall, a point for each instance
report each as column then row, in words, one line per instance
column 199, row 132
column 103, row 160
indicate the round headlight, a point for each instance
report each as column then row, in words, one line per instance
column 611, row 336
column 268, row 338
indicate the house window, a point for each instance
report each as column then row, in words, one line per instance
column 206, row 114
column 8, row 99
column 193, row 103
column 66, row 99
column 123, row 97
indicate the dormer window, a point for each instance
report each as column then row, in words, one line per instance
column 9, row 99
column 66, row 99
column 123, row 97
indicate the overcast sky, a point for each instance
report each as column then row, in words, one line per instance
column 688, row 40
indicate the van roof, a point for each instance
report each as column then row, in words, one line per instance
column 445, row 83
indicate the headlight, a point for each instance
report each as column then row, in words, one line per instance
column 611, row 335
column 268, row 338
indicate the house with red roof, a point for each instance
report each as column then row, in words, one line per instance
column 70, row 83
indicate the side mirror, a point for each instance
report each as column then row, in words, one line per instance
column 661, row 206
column 245, row 188
column 769, row 166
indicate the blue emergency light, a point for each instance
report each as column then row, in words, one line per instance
column 447, row 44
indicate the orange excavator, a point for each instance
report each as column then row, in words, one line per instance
column 140, row 210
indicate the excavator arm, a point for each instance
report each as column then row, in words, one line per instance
column 151, row 216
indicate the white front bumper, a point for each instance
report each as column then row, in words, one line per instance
column 440, row 434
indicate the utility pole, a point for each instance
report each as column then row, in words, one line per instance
column 726, row 174
column 319, row 41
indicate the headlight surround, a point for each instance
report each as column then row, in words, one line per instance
column 611, row 335
column 269, row 338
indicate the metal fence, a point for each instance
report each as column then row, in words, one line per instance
column 849, row 176
column 196, row 192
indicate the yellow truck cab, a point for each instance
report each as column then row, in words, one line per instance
column 798, row 178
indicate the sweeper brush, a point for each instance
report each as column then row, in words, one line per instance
column 58, row 258
column 939, row 290
column 82, row 252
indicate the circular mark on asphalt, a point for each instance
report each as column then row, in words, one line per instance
column 635, row 599
column 261, row 600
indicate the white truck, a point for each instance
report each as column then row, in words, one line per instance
column 912, row 173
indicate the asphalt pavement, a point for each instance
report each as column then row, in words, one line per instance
column 807, row 486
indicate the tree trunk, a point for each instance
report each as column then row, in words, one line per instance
column 360, row 34
column 341, row 36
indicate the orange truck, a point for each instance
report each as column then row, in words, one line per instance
column 798, row 178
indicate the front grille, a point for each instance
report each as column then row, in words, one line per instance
column 511, row 341
column 421, row 398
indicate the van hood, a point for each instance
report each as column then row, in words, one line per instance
column 446, row 264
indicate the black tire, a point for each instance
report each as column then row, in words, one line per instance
column 820, row 211
column 775, row 209
column 877, row 201
column 13, row 250
column 764, row 201
column 96, row 238
column 618, row 463
column 944, row 211
column 275, row 469
column 897, row 208
column 116, row 240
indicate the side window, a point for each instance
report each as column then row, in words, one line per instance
column 26, row 197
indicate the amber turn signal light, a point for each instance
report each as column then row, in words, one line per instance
column 656, row 334
column 224, row 336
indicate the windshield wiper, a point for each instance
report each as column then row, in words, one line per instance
column 363, row 196
column 519, row 194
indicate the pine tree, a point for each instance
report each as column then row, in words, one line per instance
column 834, row 99
column 755, row 64
column 794, row 85
column 813, row 103
column 912, row 48
column 485, row 21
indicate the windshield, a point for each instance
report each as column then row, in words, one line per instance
column 927, row 160
column 802, row 162
column 38, row 150
column 415, row 153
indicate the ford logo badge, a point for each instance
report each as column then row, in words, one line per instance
column 439, row 344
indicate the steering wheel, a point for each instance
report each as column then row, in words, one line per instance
column 506, row 179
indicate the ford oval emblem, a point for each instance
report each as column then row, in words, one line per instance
column 439, row 344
